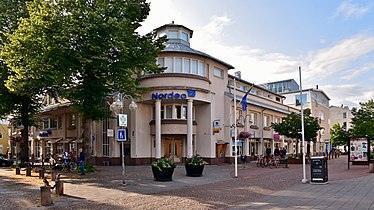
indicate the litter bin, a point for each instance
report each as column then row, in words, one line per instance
column 318, row 170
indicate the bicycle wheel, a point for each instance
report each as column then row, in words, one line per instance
column 73, row 166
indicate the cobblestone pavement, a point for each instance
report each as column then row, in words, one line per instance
column 216, row 189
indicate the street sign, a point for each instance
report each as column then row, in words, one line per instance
column 121, row 135
column 122, row 120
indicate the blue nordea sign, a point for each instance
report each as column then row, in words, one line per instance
column 171, row 95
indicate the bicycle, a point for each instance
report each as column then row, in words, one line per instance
column 273, row 162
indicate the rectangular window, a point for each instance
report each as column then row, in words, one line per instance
column 267, row 121
column 173, row 34
column 45, row 123
column 298, row 102
column 169, row 65
column 345, row 126
column 184, row 112
column 184, row 36
column 162, row 112
column 53, row 122
column 178, row 65
column 72, row 121
column 59, row 124
column 254, row 118
column 194, row 66
column 178, row 110
column 218, row 72
column 105, row 146
column 161, row 62
column 201, row 69
column 169, row 111
column 322, row 116
column 186, row 65
column 344, row 115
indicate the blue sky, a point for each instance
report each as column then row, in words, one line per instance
column 332, row 41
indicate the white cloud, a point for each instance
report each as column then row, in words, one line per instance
column 333, row 60
column 348, row 9
column 348, row 94
column 350, row 74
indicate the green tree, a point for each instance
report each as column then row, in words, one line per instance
column 84, row 51
column 338, row 135
column 21, row 107
column 363, row 120
column 291, row 127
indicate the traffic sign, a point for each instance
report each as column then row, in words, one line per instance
column 121, row 135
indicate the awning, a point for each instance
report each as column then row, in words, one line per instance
column 222, row 142
column 53, row 140
column 80, row 140
column 67, row 140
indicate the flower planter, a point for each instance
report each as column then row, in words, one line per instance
column 164, row 175
column 194, row 170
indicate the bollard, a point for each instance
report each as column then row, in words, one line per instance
column 53, row 175
column 59, row 188
column 28, row 171
column 45, row 195
column 41, row 173
column 18, row 170
column 371, row 167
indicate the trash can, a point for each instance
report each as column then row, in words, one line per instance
column 318, row 170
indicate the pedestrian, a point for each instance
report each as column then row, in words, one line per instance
column 82, row 158
column 276, row 152
column 284, row 152
column 268, row 153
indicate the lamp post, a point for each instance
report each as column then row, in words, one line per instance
column 116, row 107
column 304, row 180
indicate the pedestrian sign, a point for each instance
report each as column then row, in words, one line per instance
column 121, row 135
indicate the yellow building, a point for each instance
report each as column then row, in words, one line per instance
column 4, row 138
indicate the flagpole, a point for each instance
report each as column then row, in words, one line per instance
column 304, row 180
column 235, row 133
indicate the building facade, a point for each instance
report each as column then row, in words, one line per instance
column 187, row 110
column 341, row 115
column 318, row 102
column 4, row 138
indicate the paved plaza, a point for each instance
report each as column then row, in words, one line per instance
column 255, row 188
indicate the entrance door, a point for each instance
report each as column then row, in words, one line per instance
column 173, row 149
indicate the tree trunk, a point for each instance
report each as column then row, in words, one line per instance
column 86, row 135
column 25, row 120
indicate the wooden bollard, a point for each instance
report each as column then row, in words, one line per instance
column 45, row 195
column 28, row 171
column 371, row 167
column 18, row 170
column 59, row 187
column 41, row 173
column 53, row 175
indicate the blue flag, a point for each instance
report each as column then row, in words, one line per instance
column 244, row 99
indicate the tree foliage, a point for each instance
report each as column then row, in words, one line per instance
column 82, row 50
column 363, row 120
column 291, row 126
column 20, row 106
column 338, row 135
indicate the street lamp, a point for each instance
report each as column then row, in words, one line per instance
column 304, row 180
column 116, row 107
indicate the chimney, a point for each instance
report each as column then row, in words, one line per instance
column 316, row 86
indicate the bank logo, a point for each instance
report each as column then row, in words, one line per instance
column 191, row 93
